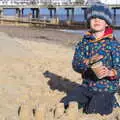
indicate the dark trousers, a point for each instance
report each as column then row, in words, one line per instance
column 92, row 102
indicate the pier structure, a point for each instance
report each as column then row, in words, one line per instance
column 19, row 12
column 113, row 7
column 36, row 5
column 1, row 12
column 115, row 12
column 70, row 13
column 35, row 12
column 52, row 11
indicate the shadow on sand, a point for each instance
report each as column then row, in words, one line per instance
column 57, row 82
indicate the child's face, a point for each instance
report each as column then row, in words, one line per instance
column 98, row 24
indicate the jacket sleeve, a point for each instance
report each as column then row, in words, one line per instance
column 79, row 56
column 115, row 46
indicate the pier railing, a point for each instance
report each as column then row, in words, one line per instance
column 52, row 5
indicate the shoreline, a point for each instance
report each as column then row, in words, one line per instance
column 48, row 35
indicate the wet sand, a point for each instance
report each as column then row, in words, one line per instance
column 40, row 34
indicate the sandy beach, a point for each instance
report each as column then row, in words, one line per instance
column 36, row 70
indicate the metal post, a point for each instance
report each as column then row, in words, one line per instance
column 37, row 12
column 1, row 12
column 22, row 12
column 72, row 16
column 33, row 12
column 67, row 10
column 55, row 12
column 19, row 12
column 85, row 12
column 114, row 16
column 50, row 13
column 1, row 15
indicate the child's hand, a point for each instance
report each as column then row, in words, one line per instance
column 105, row 72
column 86, row 61
column 93, row 59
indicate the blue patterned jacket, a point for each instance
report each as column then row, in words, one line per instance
column 88, row 47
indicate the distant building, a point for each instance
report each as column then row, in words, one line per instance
column 55, row 2
column 59, row 2
column 116, row 2
column 14, row 2
column 4, row 2
column 90, row 2
column 72, row 0
column 23, row 2
column 44, row 1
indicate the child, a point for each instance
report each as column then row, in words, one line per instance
column 98, row 44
